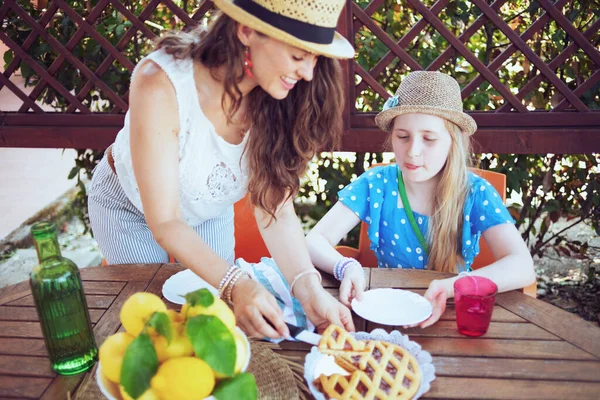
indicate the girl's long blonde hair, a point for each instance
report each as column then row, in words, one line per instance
column 285, row 134
column 446, row 223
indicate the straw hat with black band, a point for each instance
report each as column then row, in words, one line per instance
column 427, row 92
column 305, row 24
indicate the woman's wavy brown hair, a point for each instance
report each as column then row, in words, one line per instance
column 285, row 134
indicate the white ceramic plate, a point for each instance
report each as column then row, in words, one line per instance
column 393, row 307
column 110, row 390
column 182, row 283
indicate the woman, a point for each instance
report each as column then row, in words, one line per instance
column 240, row 107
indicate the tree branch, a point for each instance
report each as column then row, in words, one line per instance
column 558, row 233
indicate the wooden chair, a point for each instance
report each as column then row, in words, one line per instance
column 367, row 258
column 249, row 245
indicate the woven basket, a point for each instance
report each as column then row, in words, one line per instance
column 277, row 376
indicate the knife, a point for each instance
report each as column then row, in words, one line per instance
column 300, row 334
column 328, row 365
column 303, row 335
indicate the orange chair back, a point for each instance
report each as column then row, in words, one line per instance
column 498, row 181
column 249, row 244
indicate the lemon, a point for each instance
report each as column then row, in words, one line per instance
column 241, row 347
column 111, row 355
column 179, row 346
column 138, row 309
column 174, row 316
column 147, row 395
column 219, row 309
column 183, row 378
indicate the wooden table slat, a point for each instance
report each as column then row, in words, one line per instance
column 26, row 366
column 62, row 385
column 476, row 388
column 8, row 313
column 405, row 278
column 18, row 386
column 567, row 326
column 560, row 370
column 121, row 273
column 14, row 292
column 25, row 347
column 106, row 288
column 21, row 329
column 164, row 273
column 497, row 330
column 93, row 301
column 502, row 348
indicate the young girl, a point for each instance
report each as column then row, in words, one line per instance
column 240, row 107
column 427, row 211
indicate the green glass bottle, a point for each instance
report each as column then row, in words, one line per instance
column 58, row 293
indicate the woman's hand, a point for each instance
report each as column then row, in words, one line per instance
column 353, row 284
column 321, row 308
column 256, row 310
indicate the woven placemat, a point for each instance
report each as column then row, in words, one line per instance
column 277, row 376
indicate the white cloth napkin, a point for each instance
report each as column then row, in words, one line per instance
column 268, row 274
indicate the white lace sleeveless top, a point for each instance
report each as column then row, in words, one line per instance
column 212, row 173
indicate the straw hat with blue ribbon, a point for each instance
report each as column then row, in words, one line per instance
column 427, row 92
column 306, row 24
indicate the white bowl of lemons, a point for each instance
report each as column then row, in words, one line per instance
column 166, row 355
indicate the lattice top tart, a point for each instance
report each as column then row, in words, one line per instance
column 378, row 370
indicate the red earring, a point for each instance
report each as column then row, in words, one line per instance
column 248, row 64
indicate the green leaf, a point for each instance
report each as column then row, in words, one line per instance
column 201, row 297
column 26, row 70
column 213, row 342
column 162, row 324
column 8, row 57
column 73, row 172
column 120, row 29
column 140, row 363
column 240, row 387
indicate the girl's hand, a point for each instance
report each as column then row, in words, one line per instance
column 353, row 284
column 321, row 308
column 253, row 305
column 437, row 294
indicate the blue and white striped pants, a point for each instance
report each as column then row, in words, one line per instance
column 123, row 234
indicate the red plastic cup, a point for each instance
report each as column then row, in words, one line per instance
column 474, row 297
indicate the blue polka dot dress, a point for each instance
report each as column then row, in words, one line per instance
column 374, row 199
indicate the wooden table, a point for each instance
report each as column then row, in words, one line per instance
column 532, row 349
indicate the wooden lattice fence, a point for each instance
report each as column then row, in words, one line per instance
column 391, row 37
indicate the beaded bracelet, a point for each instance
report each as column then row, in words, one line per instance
column 228, row 282
column 300, row 275
column 232, row 283
column 226, row 278
column 341, row 266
